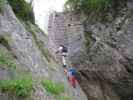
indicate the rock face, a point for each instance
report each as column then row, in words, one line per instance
column 67, row 29
column 105, row 65
column 27, row 44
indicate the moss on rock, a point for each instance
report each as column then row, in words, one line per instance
column 6, row 59
column 52, row 87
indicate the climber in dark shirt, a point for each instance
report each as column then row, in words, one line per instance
column 64, row 51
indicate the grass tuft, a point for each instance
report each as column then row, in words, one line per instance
column 52, row 87
column 63, row 98
column 21, row 88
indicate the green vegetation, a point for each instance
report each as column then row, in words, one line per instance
column 63, row 98
column 21, row 88
column 52, row 87
column 56, row 89
column 5, row 40
column 23, row 10
column 21, row 85
column 2, row 2
column 92, row 6
column 6, row 59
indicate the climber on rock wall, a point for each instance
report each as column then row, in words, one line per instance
column 71, row 76
column 64, row 52
column 69, row 72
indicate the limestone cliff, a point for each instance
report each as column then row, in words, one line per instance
column 102, row 51
column 23, row 55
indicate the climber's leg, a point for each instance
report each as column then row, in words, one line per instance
column 70, row 80
column 64, row 60
column 73, row 82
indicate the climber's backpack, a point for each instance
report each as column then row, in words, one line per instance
column 73, row 71
column 64, row 49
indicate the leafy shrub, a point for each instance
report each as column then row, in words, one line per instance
column 2, row 2
column 21, row 88
column 54, row 88
column 87, row 6
column 23, row 10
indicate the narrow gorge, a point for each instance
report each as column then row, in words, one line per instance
column 100, row 45
column 101, row 50
column 27, row 69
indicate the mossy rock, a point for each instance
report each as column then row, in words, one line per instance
column 88, row 38
column 53, row 87
column 34, row 30
column 6, row 59
column 6, row 39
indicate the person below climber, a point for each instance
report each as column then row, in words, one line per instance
column 64, row 51
column 71, row 77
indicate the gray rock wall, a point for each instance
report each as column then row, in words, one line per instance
column 25, row 49
column 67, row 29
column 105, row 70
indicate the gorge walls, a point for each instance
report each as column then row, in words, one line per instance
column 101, row 51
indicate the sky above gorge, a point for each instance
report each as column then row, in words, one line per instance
column 42, row 9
